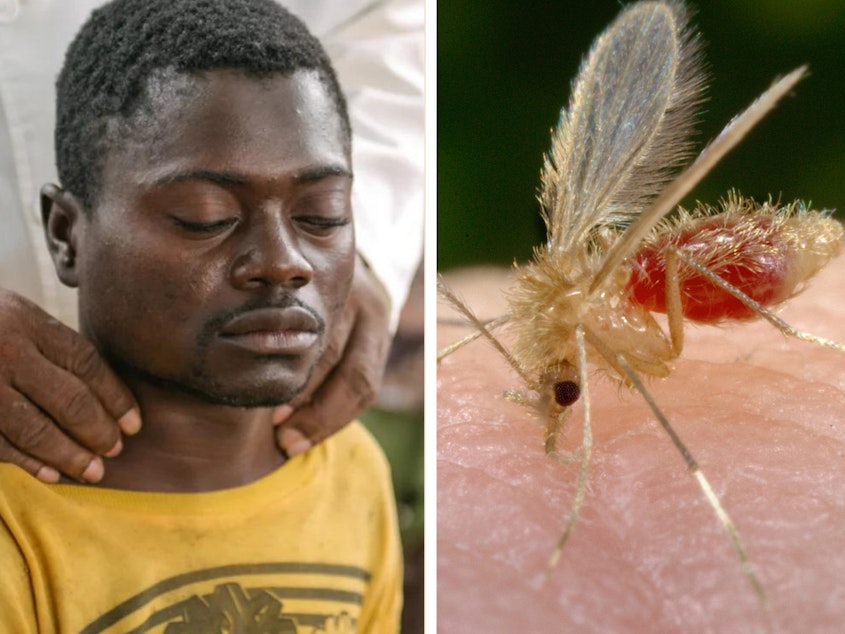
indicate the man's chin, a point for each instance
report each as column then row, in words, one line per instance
column 250, row 400
column 256, row 394
column 238, row 391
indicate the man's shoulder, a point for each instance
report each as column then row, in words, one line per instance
column 17, row 484
column 27, row 504
column 357, row 453
column 355, row 442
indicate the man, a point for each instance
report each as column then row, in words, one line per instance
column 377, row 50
column 204, row 214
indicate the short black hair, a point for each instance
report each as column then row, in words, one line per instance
column 126, row 43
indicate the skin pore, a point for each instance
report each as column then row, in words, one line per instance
column 764, row 416
column 216, row 261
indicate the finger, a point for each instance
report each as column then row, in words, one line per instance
column 9, row 453
column 348, row 389
column 350, row 372
column 292, row 441
column 282, row 413
column 69, row 350
column 33, row 435
column 68, row 401
column 289, row 439
column 329, row 359
column 334, row 405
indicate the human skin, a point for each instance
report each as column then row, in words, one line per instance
column 763, row 415
column 212, row 269
column 348, row 376
column 62, row 407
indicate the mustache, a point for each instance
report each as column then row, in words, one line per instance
column 278, row 300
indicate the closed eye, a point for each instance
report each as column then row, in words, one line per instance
column 320, row 224
column 204, row 227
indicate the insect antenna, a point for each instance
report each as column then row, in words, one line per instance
column 490, row 325
column 448, row 294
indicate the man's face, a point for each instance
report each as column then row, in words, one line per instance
column 221, row 251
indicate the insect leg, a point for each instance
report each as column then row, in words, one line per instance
column 694, row 468
column 446, row 293
column 756, row 306
column 586, row 450
column 674, row 310
column 475, row 334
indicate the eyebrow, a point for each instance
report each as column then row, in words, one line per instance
column 229, row 179
column 224, row 179
column 320, row 172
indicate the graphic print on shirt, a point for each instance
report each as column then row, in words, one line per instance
column 262, row 598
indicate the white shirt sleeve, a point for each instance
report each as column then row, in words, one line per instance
column 376, row 47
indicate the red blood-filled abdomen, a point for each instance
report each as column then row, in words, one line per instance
column 747, row 252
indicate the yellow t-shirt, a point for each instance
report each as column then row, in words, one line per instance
column 312, row 547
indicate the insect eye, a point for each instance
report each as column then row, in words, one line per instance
column 566, row 393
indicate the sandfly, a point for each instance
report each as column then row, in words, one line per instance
column 613, row 257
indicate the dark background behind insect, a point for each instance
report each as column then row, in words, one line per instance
column 505, row 70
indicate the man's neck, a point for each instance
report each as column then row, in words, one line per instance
column 187, row 445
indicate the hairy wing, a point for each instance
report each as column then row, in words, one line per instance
column 627, row 126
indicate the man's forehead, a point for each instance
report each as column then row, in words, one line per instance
column 170, row 96
column 230, row 122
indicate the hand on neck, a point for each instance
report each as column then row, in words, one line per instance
column 190, row 445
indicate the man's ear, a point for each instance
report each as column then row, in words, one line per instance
column 63, row 216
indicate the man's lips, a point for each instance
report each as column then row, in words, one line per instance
column 284, row 331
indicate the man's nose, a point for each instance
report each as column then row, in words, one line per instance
column 271, row 255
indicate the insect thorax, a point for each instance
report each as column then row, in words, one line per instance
column 550, row 297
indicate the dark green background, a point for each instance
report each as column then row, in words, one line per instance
column 504, row 70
